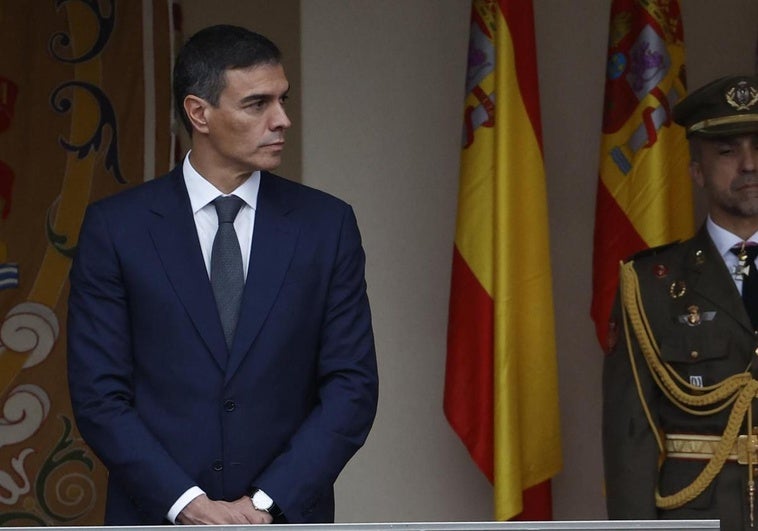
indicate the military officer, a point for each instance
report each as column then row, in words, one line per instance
column 679, row 384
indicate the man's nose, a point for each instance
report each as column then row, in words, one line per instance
column 280, row 120
column 750, row 159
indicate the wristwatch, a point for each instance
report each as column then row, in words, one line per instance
column 262, row 501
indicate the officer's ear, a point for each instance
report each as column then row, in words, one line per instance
column 696, row 153
column 696, row 172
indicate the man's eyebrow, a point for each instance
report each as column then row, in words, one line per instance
column 263, row 96
column 725, row 140
column 255, row 97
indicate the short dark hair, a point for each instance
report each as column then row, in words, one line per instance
column 203, row 61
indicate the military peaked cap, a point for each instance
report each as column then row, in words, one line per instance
column 725, row 107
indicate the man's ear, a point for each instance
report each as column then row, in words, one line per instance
column 195, row 108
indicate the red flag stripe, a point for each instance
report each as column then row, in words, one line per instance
column 468, row 402
column 615, row 236
column 538, row 503
column 520, row 19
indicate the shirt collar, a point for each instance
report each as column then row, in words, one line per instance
column 201, row 192
column 723, row 239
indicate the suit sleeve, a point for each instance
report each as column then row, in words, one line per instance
column 347, row 392
column 100, row 375
column 630, row 450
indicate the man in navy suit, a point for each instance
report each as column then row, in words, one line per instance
column 199, row 421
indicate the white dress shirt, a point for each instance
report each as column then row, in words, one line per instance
column 724, row 242
column 201, row 194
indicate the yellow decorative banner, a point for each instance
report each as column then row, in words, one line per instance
column 73, row 128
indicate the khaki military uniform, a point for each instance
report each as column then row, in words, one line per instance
column 701, row 332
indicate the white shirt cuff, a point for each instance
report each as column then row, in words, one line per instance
column 182, row 502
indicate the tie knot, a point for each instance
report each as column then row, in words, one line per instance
column 746, row 251
column 227, row 208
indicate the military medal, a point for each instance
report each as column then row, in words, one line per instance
column 742, row 269
column 693, row 315
column 660, row 270
column 677, row 289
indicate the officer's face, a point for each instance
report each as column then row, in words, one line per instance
column 727, row 169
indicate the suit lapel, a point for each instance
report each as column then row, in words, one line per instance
column 711, row 279
column 175, row 236
column 274, row 240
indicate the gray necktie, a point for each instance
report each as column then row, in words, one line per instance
column 227, row 277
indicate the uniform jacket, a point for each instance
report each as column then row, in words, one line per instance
column 160, row 398
column 674, row 282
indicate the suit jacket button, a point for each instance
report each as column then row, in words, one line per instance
column 694, row 354
column 229, row 405
column 218, row 466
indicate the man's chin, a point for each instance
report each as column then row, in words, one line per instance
column 747, row 209
column 269, row 163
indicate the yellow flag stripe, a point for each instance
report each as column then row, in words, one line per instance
column 502, row 234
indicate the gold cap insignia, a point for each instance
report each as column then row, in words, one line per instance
column 741, row 96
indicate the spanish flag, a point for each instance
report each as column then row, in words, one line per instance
column 501, row 391
column 644, row 192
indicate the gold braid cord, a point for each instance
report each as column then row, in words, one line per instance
column 739, row 390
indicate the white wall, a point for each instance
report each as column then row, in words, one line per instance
column 382, row 100
column 382, row 92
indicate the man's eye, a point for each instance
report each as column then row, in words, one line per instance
column 255, row 105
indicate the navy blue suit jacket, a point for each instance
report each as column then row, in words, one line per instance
column 157, row 394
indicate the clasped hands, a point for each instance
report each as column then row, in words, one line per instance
column 204, row 511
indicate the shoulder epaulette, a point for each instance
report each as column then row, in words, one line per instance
column 652, row 251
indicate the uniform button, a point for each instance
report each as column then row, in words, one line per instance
column 218, row 466
column 756, row 351
column 229, row 405
column 694, row 354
